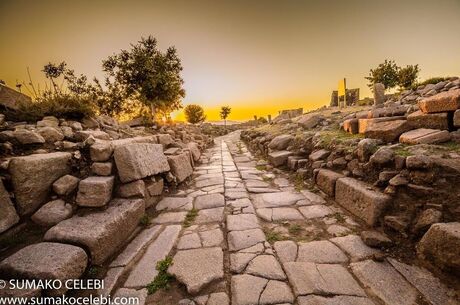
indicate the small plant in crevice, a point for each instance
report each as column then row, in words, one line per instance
column 145, row 220
column 295, row 229
column 273, row 236
column 163, row 278
column 93, row 271
column 339, row 217
column 190, row 217
column 261, row 167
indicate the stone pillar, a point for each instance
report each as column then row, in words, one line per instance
column 379, row 94
column 269, row 118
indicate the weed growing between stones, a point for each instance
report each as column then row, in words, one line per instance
column 339, row 217
column 273, row 236
column 163, row 278
column 295, row 229
column 298, row 183
column 190, row 217
column 261, row 167
column 240, row 148
column 145, row 220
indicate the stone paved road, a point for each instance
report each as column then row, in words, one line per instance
column 256, row 240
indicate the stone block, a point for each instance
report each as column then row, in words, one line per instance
column 425, row 136
column 278, row 158
column 326, row 179
column 95, row 191
column 387, row 131
column 180, row 166
column 419, row 119
column 441, row 102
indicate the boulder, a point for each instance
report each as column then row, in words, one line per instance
column 195, row 150
column 51, row 134
column 419, row 119
column 384, row 156
column 425, row 136
column 366, row 147
column 95, row 191
column 25, row 136
column 440, row 245
column 8, row 215
column 132, row 189
column 278, row 158
column 319, row 155
column 280, row 142
column 387, row 131
column 165, row 139
column 48, row 121
column 65, row 185
column 102, row 168
column 441, row 102
column 360, row 200
column 139, row 160
column 180, row 166
column 309, row 121
column 52, row 213
column 100, row 232
column 326, row 179
column 97, row 134
column 101, row 151
column 46, row 261
column 32, row 177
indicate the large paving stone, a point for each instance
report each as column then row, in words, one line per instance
column 247, row 289
column 441, row 102
column 101, row 232
column 181, row 167
column 8, row 215
column 356, row 197
column 321, row 251
column 210, row 215
column 198, row 267
column 335, row 300
column 32, row 177
column 209, row 201
column 272, row 200
column 321, row 279
column 174, row 203
column 438, row 242
column 278, row 158
column 276, row 292
column 354, row 246
column 238, row 240
column 315, row 211
column 266, row 266
column 239, row 261
column 144, row 271
column 384, row 282
column 242, row 222
column 426, row 283
column 170, row 217
column 286, row 250
column 189, row 241
column 139, row 160
column 425, row 136
column 313, row 198
column 95, row 191
column 46, row 261
column 326, row 179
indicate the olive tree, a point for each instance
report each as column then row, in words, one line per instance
column 194, row 114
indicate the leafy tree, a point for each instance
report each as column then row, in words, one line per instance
column 407, row 77
column 149, row 75
column 386, row 73
column 194, row 114
column 224, row 113
column 53, row 71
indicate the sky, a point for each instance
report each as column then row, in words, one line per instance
column 257, row 56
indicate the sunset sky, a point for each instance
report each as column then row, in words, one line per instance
column 256, row 56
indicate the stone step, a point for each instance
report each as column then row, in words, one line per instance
column 144, row 271
column 100, row 232
column 360, row 199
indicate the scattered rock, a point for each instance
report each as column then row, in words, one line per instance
column 52, row 213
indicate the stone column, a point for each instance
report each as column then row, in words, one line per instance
column 379, row 94
column 269, row 118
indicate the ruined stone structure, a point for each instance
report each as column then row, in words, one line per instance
column 352, row 97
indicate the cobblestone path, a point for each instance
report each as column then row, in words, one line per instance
column 242, row 236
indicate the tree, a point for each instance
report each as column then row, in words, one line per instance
column 194, row 114
column 53, row 71
column 386, row 73
column 148, row 75
column 224, row 113
column 407, row 77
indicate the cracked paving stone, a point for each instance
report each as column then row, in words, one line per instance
column 174, row 203
column 315, row 211
column 280, row 214
column 242, row 222
column 276, row 292
column 257, row 184
column 321, row 251
column 219, row 298
column 236, row 195
column 266, row 266
column 189, row 241
column 210, row 215
column 336, row 300
column 313, row 198
column 170, row 217
column 247, row 289
column 209, row 201
column 385, row 282
column 271, row 200
column 354, row 246
column 211, row 238
column 286, row 250
column 238, row 240
column 198, row 267
column 338, row 230
column 322, row 279
column 239, row 261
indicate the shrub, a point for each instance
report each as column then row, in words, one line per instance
column 434, row 80
column 407, row 77
column 386, row 73
column 194, row 114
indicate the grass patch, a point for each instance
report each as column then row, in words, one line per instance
column 273, row 236
column 299, row 183
column 261, row 167
column 190, row 217
column 451, row 146
column 163, row 278
column 331, row 138
column 240, row 147
column 339, row 217
column 145, row 220
column 402, row 151
column 267, row 179
column 295, row 229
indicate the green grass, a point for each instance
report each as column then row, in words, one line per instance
column 299, row 183
column 273, row 236
column 339, row 217
column 267, row 179
column 295, row 229
column 163, row 278
column 451, row 146
column 261, row 167
column 338, row 137
column 190, row 217
column 145, row 220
